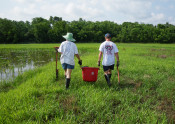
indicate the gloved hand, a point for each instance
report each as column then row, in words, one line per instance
column 117, row 64
column 98, row 63
column 56, row 49
column 80, row 62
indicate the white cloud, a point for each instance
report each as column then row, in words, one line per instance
column 19, row 1
column 159, row 16
column 95, row 10
column 72, row 11
column 23, row 13
column 39, row 0
column 128, row 10
column 171, row 6
column 156, row 18
column 27, row 1
column 2, row 15
column 171, row 19
column 157, row 7
column 100, row 10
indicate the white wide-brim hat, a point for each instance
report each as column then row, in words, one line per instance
column 69, row 37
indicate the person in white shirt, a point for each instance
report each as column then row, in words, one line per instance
column 109, row 51
column 68, row 49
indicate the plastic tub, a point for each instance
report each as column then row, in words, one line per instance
column 90, row 74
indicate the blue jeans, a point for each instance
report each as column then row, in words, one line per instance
column 67, row 66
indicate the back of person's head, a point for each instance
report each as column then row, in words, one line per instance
column 108, row 35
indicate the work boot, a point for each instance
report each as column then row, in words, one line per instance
column 67, row 82
column 109, row 75
column 108, row 80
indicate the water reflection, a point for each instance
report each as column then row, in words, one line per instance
column 15, row 62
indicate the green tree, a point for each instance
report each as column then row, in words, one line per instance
column 6, row 31
column 40, row 29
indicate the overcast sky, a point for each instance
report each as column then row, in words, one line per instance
column 119, row 11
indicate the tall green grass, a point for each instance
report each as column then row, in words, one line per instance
column 146, row 93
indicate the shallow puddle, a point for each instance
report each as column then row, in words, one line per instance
column 14, row 62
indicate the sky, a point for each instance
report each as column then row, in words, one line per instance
column 118, row 11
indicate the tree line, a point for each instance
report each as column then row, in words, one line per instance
column 41, row 30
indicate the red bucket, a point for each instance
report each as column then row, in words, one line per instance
column 90, row 74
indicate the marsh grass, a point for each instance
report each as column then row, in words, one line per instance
column 145, row 93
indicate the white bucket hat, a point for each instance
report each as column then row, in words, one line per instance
column 69, row 37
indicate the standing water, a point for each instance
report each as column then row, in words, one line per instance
column 14, row 62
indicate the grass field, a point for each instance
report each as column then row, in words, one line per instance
column 146, row 93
